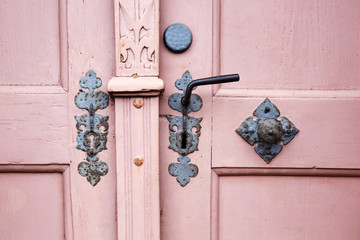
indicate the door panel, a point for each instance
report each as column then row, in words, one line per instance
column 288, row 207
column 30, row 42
column 291, row 45
column 33, row 204
column 35, row 126
column 328, row 135
column 33, row 79
column 304, row 58
column 46, row 47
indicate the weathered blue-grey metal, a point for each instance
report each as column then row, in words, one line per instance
column 175, row 99
column 194, row 105
column 92, row 126
column 289, row 130
column 184, row 140
column 184, row 131
column 93, row 169
column 92, row 129
column 177, row 37
column 191, row 141
column 267, row 131
column 183, row 170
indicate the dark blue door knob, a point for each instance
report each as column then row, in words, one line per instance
column 177, row 38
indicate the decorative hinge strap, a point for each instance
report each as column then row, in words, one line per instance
column 92, row 128
column 183, row 138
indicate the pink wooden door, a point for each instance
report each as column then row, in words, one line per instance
column 46, row 47
column 304, row 57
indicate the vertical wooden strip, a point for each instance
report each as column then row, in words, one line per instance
column 128, row 174
column 69, row 230
column 214, row 212
column 137, row 143
column 137, row 186
column 216, row 70
column 63, row 20
column 153, row 191
column 137, row 125
column 216, row 31
column 147, row 172
column 124, row 178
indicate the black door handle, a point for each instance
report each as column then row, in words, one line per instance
column 207, row 81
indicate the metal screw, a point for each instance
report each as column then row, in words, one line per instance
column 139, row 161
column 138, row 103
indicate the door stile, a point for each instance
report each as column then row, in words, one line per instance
column 136, row 89
column 214, row 204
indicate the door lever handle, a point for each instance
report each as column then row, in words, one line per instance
column 207, row 81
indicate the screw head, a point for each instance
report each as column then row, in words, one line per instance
column 139, row 161
column 138, row 103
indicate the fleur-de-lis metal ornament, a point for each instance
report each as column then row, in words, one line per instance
column 93, row 169
column 182, row 138
column 92, row 137
column 183, row 170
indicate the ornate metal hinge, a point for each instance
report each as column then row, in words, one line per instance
column 92, row 129
column 183, row 140
column 267, row 130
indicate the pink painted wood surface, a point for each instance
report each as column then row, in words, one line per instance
column 328, row 133
column 135, row 86
column 43, row 57
column 30, row 45
column 35, row 128
column 25, row 170
column 32, row 206
column 304, row 56
column 92, row 46
column 136, row 89
column 137, row 137
column 281, row 207
column 291, row 45
column 185, row 211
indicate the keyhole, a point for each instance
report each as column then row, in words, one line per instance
column 183, row 140
column 267, row 109
column 91, row 138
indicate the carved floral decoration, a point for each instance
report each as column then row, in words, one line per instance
column 136, row 34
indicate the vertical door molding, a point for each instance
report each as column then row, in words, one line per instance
column 136, row 89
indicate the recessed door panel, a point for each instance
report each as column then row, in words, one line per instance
column 291, row 44
column 32, row 206
column 30, row 42
column 288, row 207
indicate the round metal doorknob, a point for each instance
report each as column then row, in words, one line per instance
column 177, row 37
